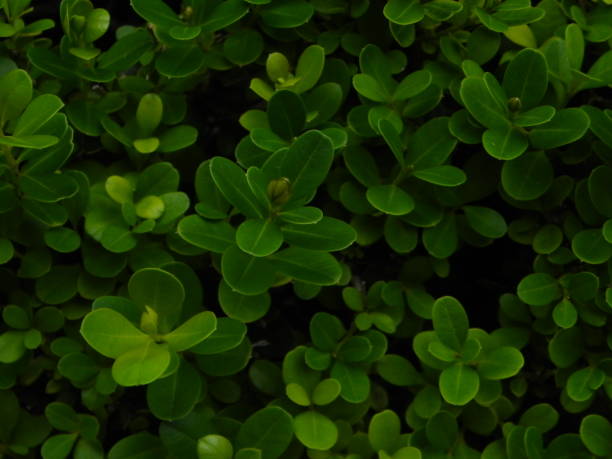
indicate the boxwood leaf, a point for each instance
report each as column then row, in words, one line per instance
column 354, row 381
column 111, row 334
column 504, row 142
column 224, row 14
column 450, row 322
column 301, row 216
column 214, row 446
column 233, row 184
column 286, row 14
column 213, row 236
column 49, row 187
column 229, row 334
column 482, row 104
column 259, row 237
column 459, row 384
column 126, row 51
column 37, row 113
column 286, row 114
column 143, row 443
column 598, row 183
column 306, row 164
column 174, row 396
column 538, row 289
column 179, row 61
column 177, row 137
column 390, row 199
column 15, row 94
column 526, row 77
column 384, row 431
column 58, row 445
column 527, row 177
column 245, row 273
column 567, row 126
column 245, row 308
column 306, row 265
column 326, row 392
column 591, row 247
column 369, row 87
column 596, row 434
column 195, row 330
column 485, row 221
column 445, row 175
column 156, row 12
column 37, row 142
column 404, row 12
column 501, row 363
column 315, row 430
column 535, row 116
column 309, row 68
column 269, row 429
column 141, row 365
column 328, row 234
column 159, row 290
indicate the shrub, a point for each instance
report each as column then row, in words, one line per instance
column 305, row 228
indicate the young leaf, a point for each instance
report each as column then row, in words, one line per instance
column 141, row 365
column 195, row 330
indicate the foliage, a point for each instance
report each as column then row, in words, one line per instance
column 334, row 229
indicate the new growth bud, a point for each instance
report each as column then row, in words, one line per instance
column 514, row 104
column 279, row 191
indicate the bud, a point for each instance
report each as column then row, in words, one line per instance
column 279, row 190
column 514, row 104
column 187, row 12
column 148, row 321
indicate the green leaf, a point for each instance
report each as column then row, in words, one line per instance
column 596, row 434
column 482, row 104
column 175, row 396
column 329, row 234
column 111, row 334
column 141, row 365
column 309, row 68
column 445, row 175
column 393, row 140
column 315, row 267
column 37, row 113
column 538, row 289
column 245, row 308
column 598, row 183
column 535, row 116
column 527, row 177
column 390, row 199
column 269, row 429
column 315, row 430
column 245, row 273
column 301, row 216
column 15, row 94
column 259, row 237
column 450, row 322
column 565, row 314
column 214, row 446
column 156, row 12
column 431, row 144
column 591, row 247
column 306, row 165
column 526, row 77
column 297, row 394
column 286, row 114
column 441, row 241
column 97, row 24
column 142, row 445
column 325, row 331
column 147, row 145
column 501, row 363
column 126, row 51
column 459, row 384
column 213, row 236
column 62, row 416
column 384, row 431
column 369, row 87
column 404, row 12
column 48, row 188
column 179, row 61
column 286, row 14
column 150, row 207
column 159, row 290
column 58, row 446
column 504, row 143
column 413, row 84
column 149, row 113
column 243, row 47
column 485, row 221
column 398, row 371
column 567, row 126
column 354, row 349
column 326, row 392
column 37, row 142
column 228, row 335
column 195, row 330
column 177, row 137
column 233, row 184
column 542, row 416
column 354, row 381
column 224, row 14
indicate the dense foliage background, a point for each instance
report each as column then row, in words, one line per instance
column 305, row 228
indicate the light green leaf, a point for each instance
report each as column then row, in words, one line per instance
column 459, row 384
column 195, row 330
column 315, row 431
column 390, row 199
column 141, row 365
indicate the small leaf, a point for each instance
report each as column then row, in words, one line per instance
column 269, row 430
column 450, row 322
column 315, row 431
column 459, row 384
column 538, row 289
column 111, row 334
column 567, row 126
column 141, row 365
column 501, row 363
column 390, row 199
column 596, row 434
column 445, row 175
column 195, row 330
column 259, row 237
